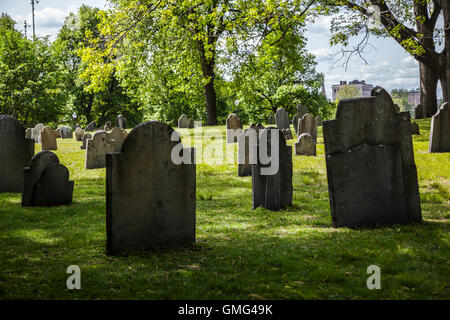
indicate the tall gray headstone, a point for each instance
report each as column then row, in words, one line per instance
column 372, row 177
column 307, row 124
column 150, row 200
column 79, row 133
column 15, row 153
column 97, row 148
column 46, row 181
column 121, row 122
column 272, row 191
column 282, row 119
column 440, row 130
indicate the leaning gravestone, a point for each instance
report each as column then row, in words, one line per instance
column 271, row 119
column 48, row 139
column 66, row 132
column 295, row 122
column 440, row 130
column 108, row 126
column 301, row 110
column 418, row 112
column 15, row 153
column 97, row 148
column 183, row 121
column 247, row 149
column 46, row 181
column 118, row 135
column 121, row 122
column 36, row 132
column 150, row 200
column 282, row 119
column 79, row 133
column 372, row 177
column 272, row 188
column 85, row 138
column 305, row 145
column 415, row 128
column 234, row 128
column 91, row 126
column 307, row 124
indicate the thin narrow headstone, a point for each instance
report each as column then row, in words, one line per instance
column 440, row 130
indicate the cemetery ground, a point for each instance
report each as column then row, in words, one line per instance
column 240, row 253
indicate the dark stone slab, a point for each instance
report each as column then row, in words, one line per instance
column 271, row 119
column 418, row 112
column 15, row 153
column 415, row 128
column 440, row 130
column 150, row 201
column 273, row 191
column 282, row 119
column 372, row 176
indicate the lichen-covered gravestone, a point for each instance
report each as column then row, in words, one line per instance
column 234, row 128
column 418, row 112
column 150, row 200
column 85, row 138
column 91, row 126
column 183, row 121
column 15, row 153
column 372, row 176
column 415, row 128
column 440, row 130
column 48, row 139
column 282, row 119
column 97, row 148
column 46, row 181
column 307, row 124
column 305, row 145
column 66, row 132
column 79, row 133
column 118, row 135
column 36, row 132
column 121, row 122
column 272, row 188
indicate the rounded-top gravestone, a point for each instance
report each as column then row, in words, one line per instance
column 282, row 119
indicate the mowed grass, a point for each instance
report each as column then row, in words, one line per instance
column 240, row 253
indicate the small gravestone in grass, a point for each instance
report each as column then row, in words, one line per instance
column 307, row 124
column 91, row 127
column 66, row 132
column 305, row 145
column 301, row 110
column 234, row 128
column 36, row 132
column 79, row 133
column 272, row 174
column 415, row 128
column 97, row 148
column 440, row 130
column 183, row 121
column 282, row 119
column 85, row 138
column 150, row 198
column 15, row 153
column 372, row 177
column 121, row 122
column 118, row 135
column 46, row 181
column 318, row 120
column 418, row 112
column 48, row 139
column 271, row 119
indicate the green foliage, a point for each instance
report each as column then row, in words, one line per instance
column 401, row 98
column 31, row 79
column 347, row 92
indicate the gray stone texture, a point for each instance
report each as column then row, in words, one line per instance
column 121, row 122
column 79, row 133
column 48, row 139
column 273, row 192
column 118, row 135
column 418, row 112
column 36, row 132
column 282, row 119
column 91, row 127
column 372, row 176
column 66, row 132
column 15, row 153
column 440, row 130
column 307, row 124
column 247, row 141
column 234, row 124
column 305, row 145
column 150, row 201
column 46, row 181
column 97, row 148
column 85, row 138
column 183, row 121
column 415, row 128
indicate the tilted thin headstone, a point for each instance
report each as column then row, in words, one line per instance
column 15, row 153
column 440, row 130
column 282, row 119
column 150, row 200
column 85, row 138
column 372, row 176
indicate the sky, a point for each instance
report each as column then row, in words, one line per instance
column 388, row 65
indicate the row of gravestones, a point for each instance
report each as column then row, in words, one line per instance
column 121, row 122
column 380, row 187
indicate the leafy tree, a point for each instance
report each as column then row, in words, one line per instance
column 100, row 106
column 194, row 38
column 401, row 98
column 30, row 77
column 412, row 24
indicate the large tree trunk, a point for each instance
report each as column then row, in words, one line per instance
column 210, row 92
column 428, row 84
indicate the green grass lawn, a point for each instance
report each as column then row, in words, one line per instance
column 240, row 253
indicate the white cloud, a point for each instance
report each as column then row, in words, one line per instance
column 323, row 54
column 321, row 25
